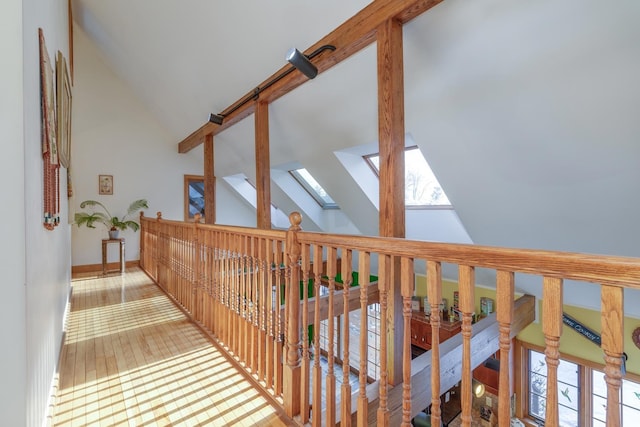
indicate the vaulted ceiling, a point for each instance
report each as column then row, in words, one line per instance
column 527, row 111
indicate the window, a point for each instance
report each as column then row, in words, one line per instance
column 582, row 391
column 629, row 401
column 422, row 188
column 314, row 189
column 568, row 383
column 193, row 196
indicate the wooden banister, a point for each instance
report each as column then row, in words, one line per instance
column 262, row 306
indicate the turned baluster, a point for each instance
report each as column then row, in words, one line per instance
column 305, row 264
column 345, row 415
column 552, row 329
column 407, row 290
column 434, row 293
column 330, row 387
column 317, row 369
column 270, row 307
column 466, row 278
column 383, row 283
column 364, row 267
column 613, row 348
column 505, row 294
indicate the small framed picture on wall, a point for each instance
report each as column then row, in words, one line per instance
column 105, row 184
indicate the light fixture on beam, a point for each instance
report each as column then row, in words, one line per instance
column 303, row 62
column 216, row 118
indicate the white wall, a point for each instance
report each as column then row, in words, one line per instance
column 12, row 262
column 232, row 210
column 114, row 134
column 35, row 263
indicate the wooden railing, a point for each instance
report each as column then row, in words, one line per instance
column 234, row 280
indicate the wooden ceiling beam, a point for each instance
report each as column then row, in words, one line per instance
column 353, row 35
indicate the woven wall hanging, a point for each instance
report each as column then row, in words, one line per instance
column 51, row 165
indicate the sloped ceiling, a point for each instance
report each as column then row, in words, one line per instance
column 527, row 111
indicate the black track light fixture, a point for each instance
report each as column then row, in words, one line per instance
column 303, row 62
column 216, row 118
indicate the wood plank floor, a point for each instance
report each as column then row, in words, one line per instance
column 132, row 358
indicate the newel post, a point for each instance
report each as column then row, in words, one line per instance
column 292, row 367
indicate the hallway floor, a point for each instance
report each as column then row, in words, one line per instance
column 132, row 358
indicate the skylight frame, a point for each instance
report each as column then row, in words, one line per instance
column 309, row 183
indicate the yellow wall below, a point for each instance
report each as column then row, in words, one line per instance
column 571, row 342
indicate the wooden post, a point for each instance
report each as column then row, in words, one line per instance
column 263, row 171
column 292, row 369
column 552, row 329
column 391, row 143
column 209, row 181
column 613, row 347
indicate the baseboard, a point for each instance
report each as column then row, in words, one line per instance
column 90, row 268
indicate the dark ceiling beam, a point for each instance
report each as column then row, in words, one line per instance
column 352, row 36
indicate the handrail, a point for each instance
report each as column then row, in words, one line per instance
column 234, row 280
column 612, row 270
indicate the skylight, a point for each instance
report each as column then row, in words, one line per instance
column 421, row 185
column 314, row 189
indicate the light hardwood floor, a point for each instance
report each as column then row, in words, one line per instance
column 131, row 357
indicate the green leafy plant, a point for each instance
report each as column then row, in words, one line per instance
column 98, row 213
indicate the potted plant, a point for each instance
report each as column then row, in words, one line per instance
column 102, row 216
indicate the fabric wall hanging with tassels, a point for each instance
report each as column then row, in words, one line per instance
column 51, row 165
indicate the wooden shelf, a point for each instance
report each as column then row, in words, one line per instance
column 421, row 330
